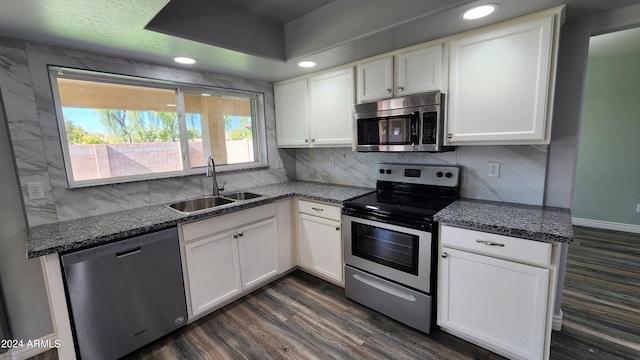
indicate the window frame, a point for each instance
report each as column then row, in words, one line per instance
column 258, row 121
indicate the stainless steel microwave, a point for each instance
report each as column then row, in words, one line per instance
column 411, row 123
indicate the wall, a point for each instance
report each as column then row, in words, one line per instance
column 606, row 186
column 36, row 141
column 21, row 279
column 570, row 81
column 522, row 169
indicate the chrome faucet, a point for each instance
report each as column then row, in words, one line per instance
column 211, row 171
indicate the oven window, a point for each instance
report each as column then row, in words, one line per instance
column 386, row 247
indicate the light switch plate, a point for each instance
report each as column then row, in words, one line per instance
column 279, row 164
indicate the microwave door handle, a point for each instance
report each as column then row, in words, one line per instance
column 415, row 128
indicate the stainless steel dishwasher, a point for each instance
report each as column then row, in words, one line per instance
column 125, row 294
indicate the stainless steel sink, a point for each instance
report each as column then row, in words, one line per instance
column 242, row 195
column 193, row 205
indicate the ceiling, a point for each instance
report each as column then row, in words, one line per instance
column 256, row 39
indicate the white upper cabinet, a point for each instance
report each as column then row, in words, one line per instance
column 414, row 72
column 330, row 104
column 501, row 85
column 292, row 120
column 419, row 71
column 315, row 111
column 375, row 80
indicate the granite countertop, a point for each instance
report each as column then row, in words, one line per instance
column 80, row 233
column 548, row 224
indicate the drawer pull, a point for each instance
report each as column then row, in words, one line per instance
column 444, row 255
column 490, row 243
column 386, row 288
column 317, row 209
column 337, row 227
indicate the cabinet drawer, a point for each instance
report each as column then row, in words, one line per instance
column 500, row 246
column 319, row 209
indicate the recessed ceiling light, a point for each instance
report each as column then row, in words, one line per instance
column 171, row 105
column 479, row 11
column 184, row 60
column 205, row 94
column 307, row 64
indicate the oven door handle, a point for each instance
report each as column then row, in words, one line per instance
column 385, row 288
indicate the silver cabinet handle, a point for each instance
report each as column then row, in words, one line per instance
column 241, row 234
column 389, row 91
column 235, row 236
column 337, row 227
column 313, row 140
column 490, row 243
column 444, row 255
column 449, row 136
column 317, row 209
column 306, row 140
column 400, row 88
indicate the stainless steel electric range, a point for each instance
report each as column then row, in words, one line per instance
column 390, row 241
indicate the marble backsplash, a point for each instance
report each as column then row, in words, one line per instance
column 522, row 169
column 33, row 128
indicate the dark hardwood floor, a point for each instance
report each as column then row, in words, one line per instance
column 302, row 317
column 601, row 300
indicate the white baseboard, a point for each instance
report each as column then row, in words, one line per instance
column 43, row 344
column 556, row 321
column 607, row 225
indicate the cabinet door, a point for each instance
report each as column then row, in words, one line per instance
column 419, row 71
column 331, row 103
column 500, row 304
column 291, row 107
column 499, row 84
column 321, row 247
column 213, row 271
column 375, row 80
column 258, row 249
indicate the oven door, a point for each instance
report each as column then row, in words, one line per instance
column 397, row 253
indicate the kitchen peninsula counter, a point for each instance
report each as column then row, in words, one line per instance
column 540, row 223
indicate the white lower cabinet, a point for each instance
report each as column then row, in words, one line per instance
column 258, row 251
column 226, row 256
column 487, row 296
column 214, row 271
column 320, row 240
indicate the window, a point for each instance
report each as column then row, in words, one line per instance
column 117, row 128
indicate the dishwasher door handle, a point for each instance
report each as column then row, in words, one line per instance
column 129, row 252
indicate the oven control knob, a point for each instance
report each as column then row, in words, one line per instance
column 439, row 174
column 381, row 171
column 388, row 171
column 449, row 175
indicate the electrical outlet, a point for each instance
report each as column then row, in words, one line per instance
column 279, row 164
column 36, row 190
column 494, row 170
column 638, row 208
